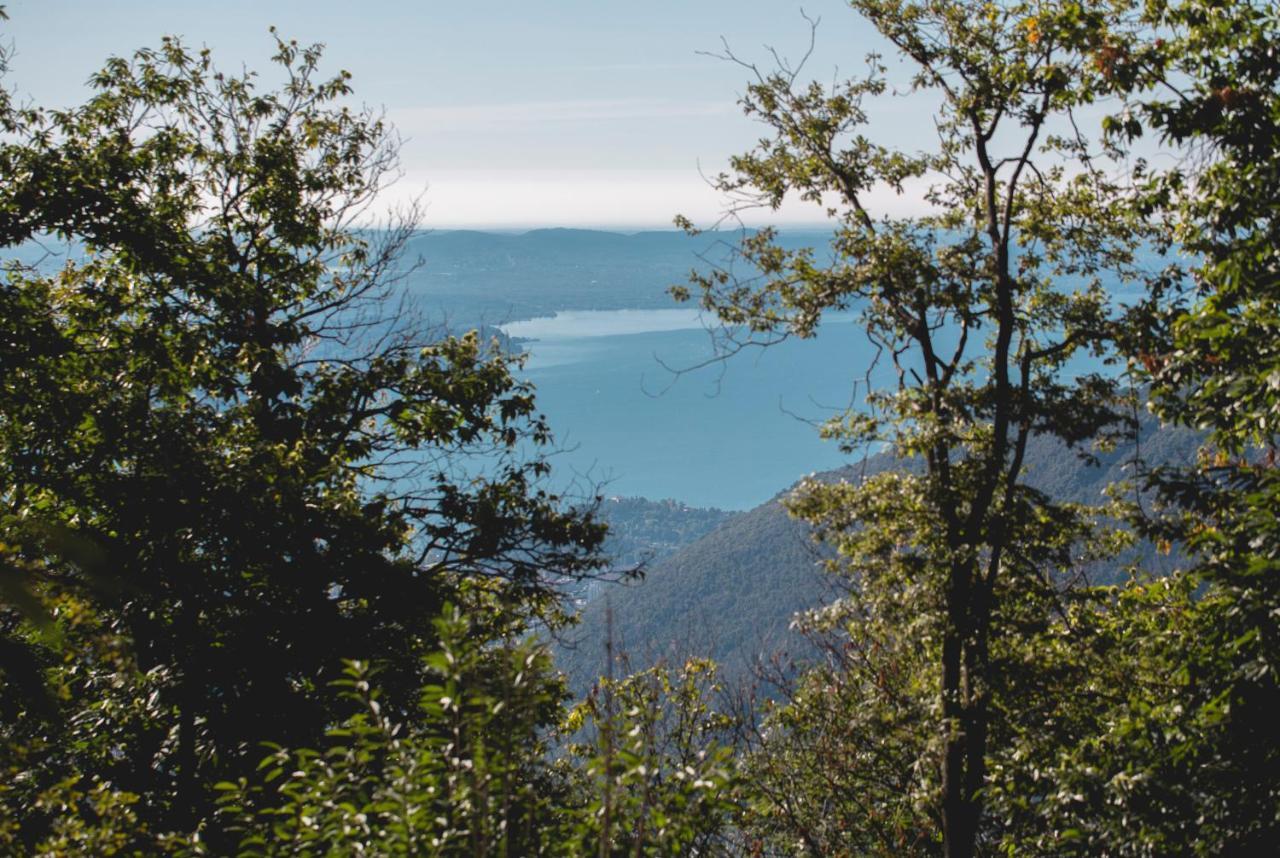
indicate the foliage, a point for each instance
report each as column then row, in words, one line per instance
column 733, row 594
column 1106, row 759
column 1125, row 720
column 839, row 763
column 466, row 777
column 229, row 466
column 471, row 775
column 1184, row 760
column 656, row 761
column 978, row 308
column 282, row 464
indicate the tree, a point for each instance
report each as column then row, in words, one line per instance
column 651, row 756
column 221, row 390
column 839, row 763
column 642, row 771
column 977, row 307
column 1219, row 369
column 468, row 775
column 1182, row 754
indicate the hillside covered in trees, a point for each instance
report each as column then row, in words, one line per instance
column 733, row 594
column 282, row 560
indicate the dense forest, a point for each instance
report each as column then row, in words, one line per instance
column 282, row 571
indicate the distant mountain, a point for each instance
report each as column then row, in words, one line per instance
column 728, row 595
column 470, row 277
column 732, row 594
column 644, row 531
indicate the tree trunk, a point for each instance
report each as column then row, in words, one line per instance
column 965, row 734
column 959, row 825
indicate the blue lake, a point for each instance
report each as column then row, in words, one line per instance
column 729, row 435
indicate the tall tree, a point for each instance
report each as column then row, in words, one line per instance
column 977, row 308
column 1220, row 370
column 1187, row 761
column 221, row 389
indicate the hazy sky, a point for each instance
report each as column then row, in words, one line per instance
column 542, row 112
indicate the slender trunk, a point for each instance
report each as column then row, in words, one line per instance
column 965, row 707
column 959, row 817
column 976, row 731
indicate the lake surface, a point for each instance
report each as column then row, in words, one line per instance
column 730, row 435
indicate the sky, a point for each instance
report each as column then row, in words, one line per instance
column 514, row 114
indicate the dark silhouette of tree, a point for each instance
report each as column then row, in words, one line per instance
column 223, row 391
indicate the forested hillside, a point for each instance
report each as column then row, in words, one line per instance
column 733, row 594
column 642, row 531
column 728, row 595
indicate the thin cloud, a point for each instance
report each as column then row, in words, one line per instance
column 593, row 110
